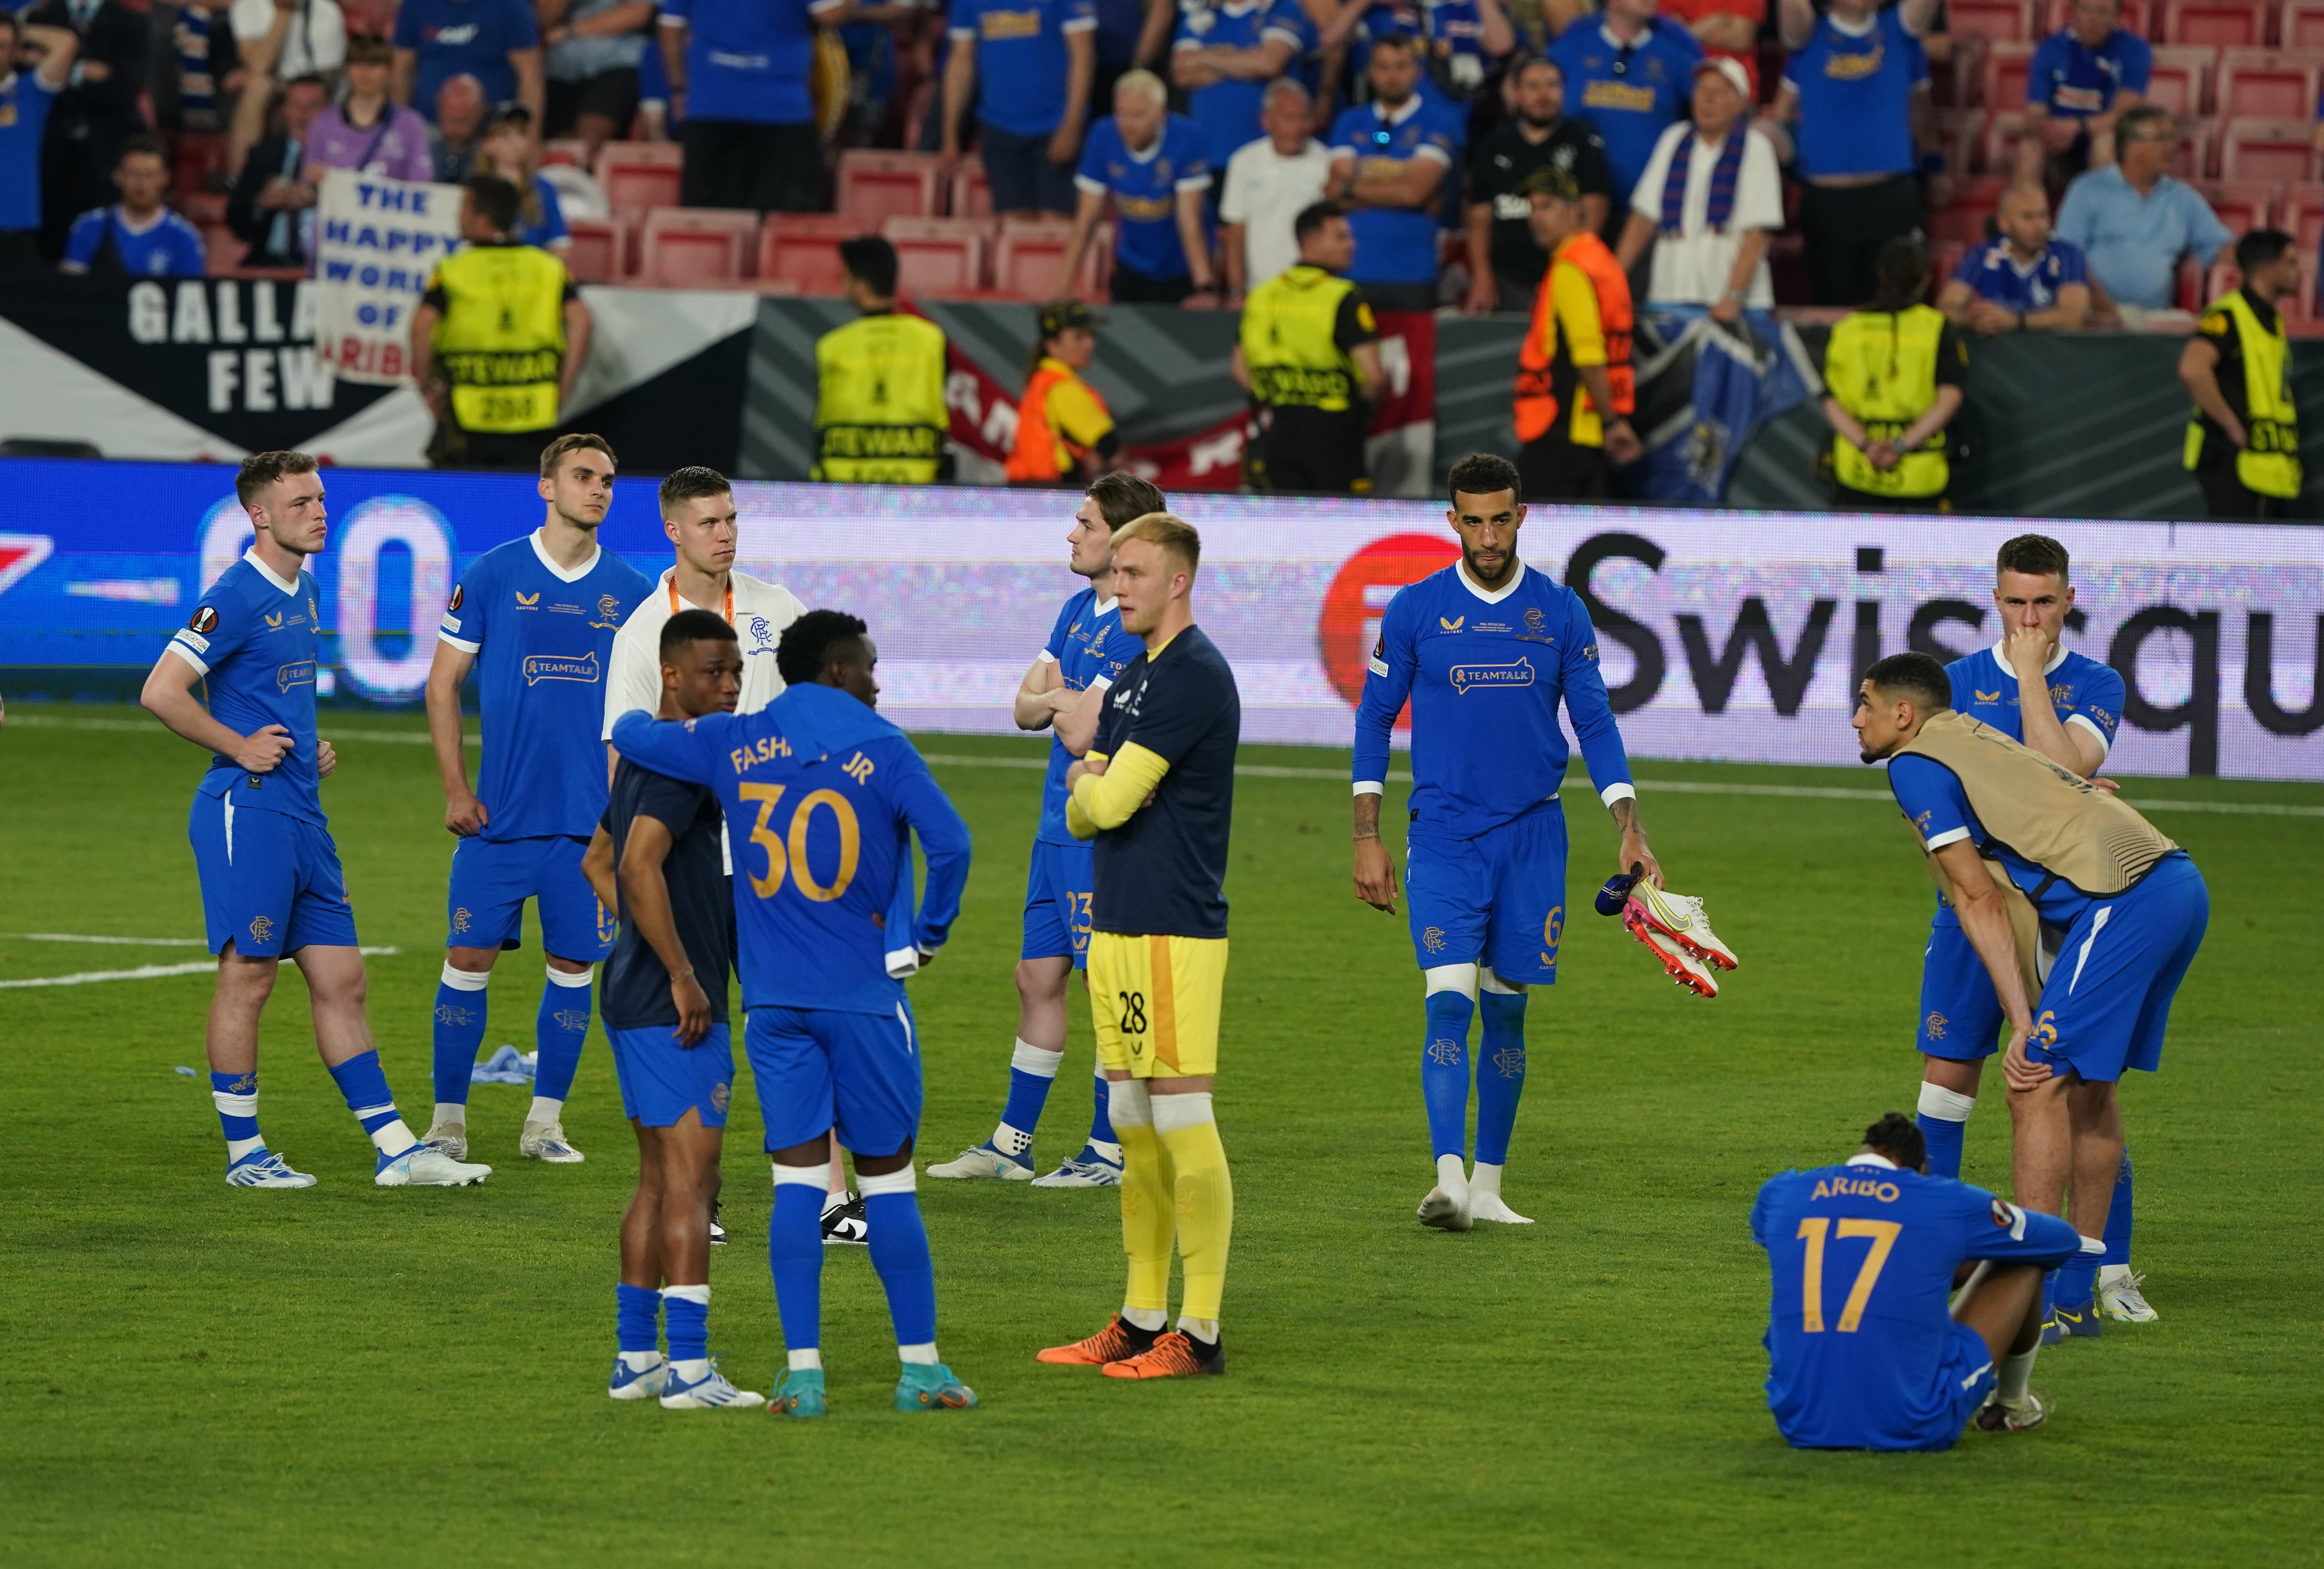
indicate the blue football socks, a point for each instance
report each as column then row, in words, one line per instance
column 1944, row 1140
column 560, row 1031
column 2117, row 1226
column 795, row 1255
column 458, row 1032
column 236, row 1097
column 1100, row 1134
column 686, row 1309
column 1500, row 1072
column 1031, row 1072
column 637, row 1319
column 900, row 1256
column 363, row 1083
column 1445, row 1072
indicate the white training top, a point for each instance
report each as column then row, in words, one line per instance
column 759, row 613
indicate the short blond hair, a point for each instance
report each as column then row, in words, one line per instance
column 1167, row 532
column 1141, row 83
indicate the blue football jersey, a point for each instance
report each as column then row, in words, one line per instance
column 1090, row 648
column 822, row 797
column 1861, row 1258
column 2084, row 692
column 1486, row 675
column 543, row 640
column 254, row 638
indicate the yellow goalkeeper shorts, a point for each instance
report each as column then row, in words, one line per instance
column 1155, row 1001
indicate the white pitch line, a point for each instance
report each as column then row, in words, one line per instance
column 104, row 942
column 141, row 972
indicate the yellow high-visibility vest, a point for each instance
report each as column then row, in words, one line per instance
column 1883, row 369
column 2270, row 460
column 501, row 344
column 1288, row 345
column 880, row 415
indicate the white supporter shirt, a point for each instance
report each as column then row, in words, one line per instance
column 1693, row 269
column 1264, row 191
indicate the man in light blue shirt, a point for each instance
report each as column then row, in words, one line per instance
column 2133, row 221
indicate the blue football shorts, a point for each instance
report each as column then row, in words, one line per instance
column 1965, row 1380
column 1497, row 899
column 270, row 882
column 2108, row 996
column 661, row 1080
column 818, row 1069
column 492, row 878
column 1961, row 1012
column 1057, row 902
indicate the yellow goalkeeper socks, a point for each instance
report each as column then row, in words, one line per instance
column 1148, row 1215
column 1205, row 1193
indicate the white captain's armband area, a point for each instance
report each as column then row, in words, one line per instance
column 903, row 963
column 465, row 646
column 2106, row 742
column 1950, row 836
column 1371, row 787
column 190, row 646
column 1620, row 790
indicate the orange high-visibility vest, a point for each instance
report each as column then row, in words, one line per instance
column 1547, row 380
column 1043, row 453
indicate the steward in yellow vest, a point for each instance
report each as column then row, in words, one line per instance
column 1893, row 374
column 880, row 413
column 498, row 338
column 1309, row 357
column 2243, row 434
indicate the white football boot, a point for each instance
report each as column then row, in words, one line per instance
column 710, row 1392
column 421, row 1167
column 981, row 1164
column 261, row 1167
column 546, row 1141
column 1678, row 961
column 450, row 1138
column 1683, row 922
column 2120, row 1298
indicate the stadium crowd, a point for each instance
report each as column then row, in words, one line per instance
column 1725, row 160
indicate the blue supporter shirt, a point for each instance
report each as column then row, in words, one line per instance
column 168, row 247
column 1021, row 58
column 1228, row 111
column 1145, row 187
column 24, row 116
column 1860, row 1259
column 1485, row 674
column 2074, row 82
column 551, row 227
column 1993, row 271
column 464, row 38
column 749, row 59
column 822, row 797
column 543, row 638
column 1451, row 37
column 1396, row 245
column 1629, row 93
column 1089, row 649
column 255, row 637
column 1856, row 93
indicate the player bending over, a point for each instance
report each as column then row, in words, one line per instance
column 2064, row 706
column 269, row 873
column 656, row 860
column 1486, row 649
column 822, row 797
column 2018, row 843
column 1862, row 1352
column 540, row 613
column 1062, row 692
column 1156, row 791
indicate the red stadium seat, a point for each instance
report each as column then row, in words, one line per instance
column 600, row 250
column 2223, row 24
column 1997, row 145
column 638, row 175
column 874, row 186
column 938, row 256
column 972, row 197
column 1024, row 259
column 2006, row 68
column 2198, row 157
column 1963, row 223
column 2243, row 205
column 566, row 150
column 2002, row 21
column 2182, row 78
column 696, row 247
column 2301, row 24
column 803, row 249
column 1957, row 131
column 2303, row 304
column 2267, row 84
column 2301, row 211
column 1944, row 261
column 2272, row 149
column 2223, row 278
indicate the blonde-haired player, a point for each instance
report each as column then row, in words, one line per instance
column 1156, row 791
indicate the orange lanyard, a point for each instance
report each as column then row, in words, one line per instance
column 675, row 607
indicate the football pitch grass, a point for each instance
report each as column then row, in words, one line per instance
column 198, row 1374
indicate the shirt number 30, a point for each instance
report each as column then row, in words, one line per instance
column 790, row 854
column 1883, row 1233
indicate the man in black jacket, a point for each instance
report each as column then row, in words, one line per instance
column 93, row 114
column 274, row 203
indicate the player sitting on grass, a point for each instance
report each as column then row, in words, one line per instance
column 2020, row 842
column 822, row 797
column 2066, row 706
column 1486, row 649
column 1861, row 1351
column 269, row 873
column 540, row 613
column 656, row 860
column 1064, row 691
column 1155, row 790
